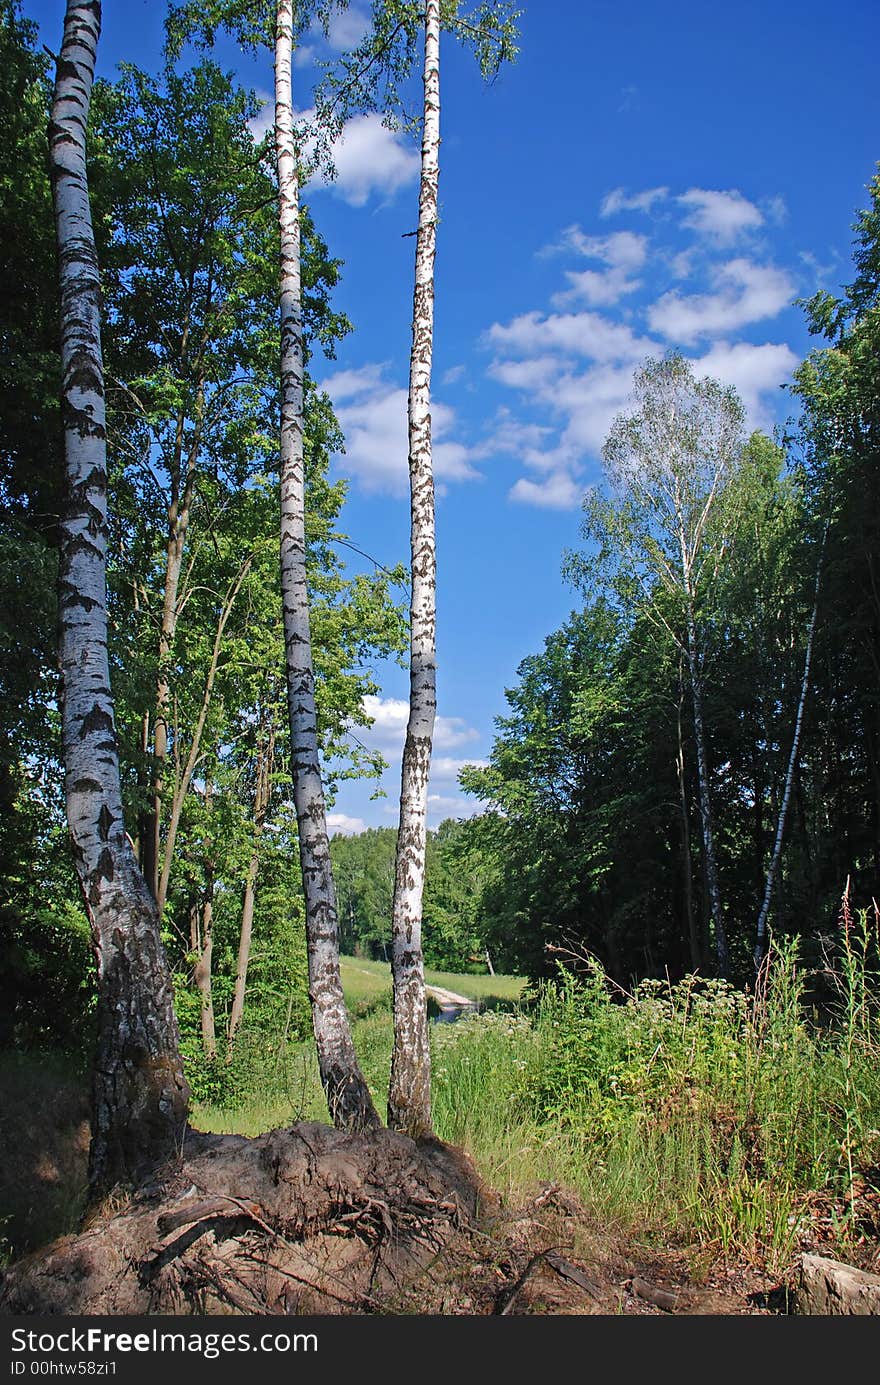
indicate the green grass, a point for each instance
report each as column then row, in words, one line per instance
column 44, row 1138
column 691, row 1114
column 364, row 979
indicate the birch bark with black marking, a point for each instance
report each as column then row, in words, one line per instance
column 140, row 1095
column 409, row 1096
column 348, row 1096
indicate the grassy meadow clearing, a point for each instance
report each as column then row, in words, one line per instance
column 731, row 1122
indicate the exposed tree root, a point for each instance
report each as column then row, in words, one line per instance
column 303, row 1220
column 311, row 1220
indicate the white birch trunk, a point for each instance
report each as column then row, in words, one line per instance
column 722, row 955
column 347, row 1094
column 761, row 930
column 140, row 1095
column 409, row 1096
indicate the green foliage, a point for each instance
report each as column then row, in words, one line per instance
column 839, row 388
column 30, row 419
column 363, row 865
column 277, row 1017
column 376, row 74
column 184, row 211
column 46, row 971
column 687, row 1110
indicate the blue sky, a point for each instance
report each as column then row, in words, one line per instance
column 645, row 177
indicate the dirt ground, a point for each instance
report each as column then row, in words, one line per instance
column 312, row 1220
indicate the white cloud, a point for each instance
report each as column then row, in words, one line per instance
column 584, row 401
column 622, row 252
column 347, row 27
column 446, row 767
column 745, row 293
column 754, row 372
column 622, row 249
column 590, row 402
column 348, row 384
column 452, row 732
column 560, row 491
column 535, row 373
column 452, row 375
column 585, row 334
column 344, row 824
column 618, row 200
column 508, row 434
column 599, row 288
column 721, row 216
column 371, row 159
column 388, row 732
column 441, row 806
column 372, row 413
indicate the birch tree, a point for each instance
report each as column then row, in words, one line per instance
column 139, row 1092
column 379, row 65
column 409, row 1093
column 671, row 464
column 348, row 1096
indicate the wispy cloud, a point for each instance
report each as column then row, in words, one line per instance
column 582, row 334
column 721, row 216
column 754, row 371
column 572, row 370
column 370, row 161
column 619, row 200
column 558, row 491
column 344, row 824
column 621, row 253
column 389, row 717
column 745, row 293
column 372, row 413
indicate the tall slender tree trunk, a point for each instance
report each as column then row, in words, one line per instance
column 202, row 941
column 178, row 524
column 773, row 868
column 722, row 955
column 139, row 1091
column 348, row 1097
column 409, row 1095
column 184, row 777
column 262, row 796
column 696, row 948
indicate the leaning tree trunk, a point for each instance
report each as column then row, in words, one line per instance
column 140, row 1095
column 773, row 868
column 262, row 798
column 348, row 1096
column 409, row 1095
column 179, row 507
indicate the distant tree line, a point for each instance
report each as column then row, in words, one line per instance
column 452, row 930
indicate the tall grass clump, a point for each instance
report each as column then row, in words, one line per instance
column 696, row 1108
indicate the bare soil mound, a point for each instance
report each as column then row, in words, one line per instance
column 303, row 1220
column 313, row 1220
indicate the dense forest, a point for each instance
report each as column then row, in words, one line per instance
column 687, row 778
